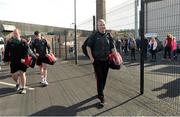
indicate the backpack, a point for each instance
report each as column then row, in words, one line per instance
column 84, row 50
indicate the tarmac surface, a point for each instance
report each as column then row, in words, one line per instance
column 72, row 91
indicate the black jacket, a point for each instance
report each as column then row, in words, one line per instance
column 101, row 45
column 15, row 50
column 39, row 46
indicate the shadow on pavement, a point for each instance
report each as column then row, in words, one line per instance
column 117, row 105
column 37, row 84
column 80, row 57
column 168, row 69
column 67, row 111
column 5, row 76
column 172, row 89
column 75, row 77
column 85, row 64
column 7, row 91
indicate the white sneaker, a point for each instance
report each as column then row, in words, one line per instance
column 42, row 80
column 23, row 91
column 45, row 82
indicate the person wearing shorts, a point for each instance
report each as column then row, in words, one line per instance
column 16, row 50
column 40, row 48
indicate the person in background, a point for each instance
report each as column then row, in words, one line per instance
column 118, row 45
column 174, row 48
column 1, row 55
column 168, row 46
column 16, row 50
column 98, row 47
column 126, row 47
column 145, row 43
column 30, row 52
column 132, row 47
column 153, row 48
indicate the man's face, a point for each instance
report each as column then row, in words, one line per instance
column 101, row 26
column 38, row 36
column 16, row 33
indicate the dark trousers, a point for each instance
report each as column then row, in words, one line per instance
column 133, row 53
column 174, row 54
column 101, row 69
column 167, row 50
column 145, row 53
column 153, row 54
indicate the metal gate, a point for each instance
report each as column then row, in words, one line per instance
column 162, row 74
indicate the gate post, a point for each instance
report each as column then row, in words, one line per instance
column 142, row 48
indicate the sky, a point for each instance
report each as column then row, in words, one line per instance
column 59, row 13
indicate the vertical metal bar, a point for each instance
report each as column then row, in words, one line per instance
column 136, row 19
column 94, row 23
column 142, row 48
column 75, row 34
column 53, row 46
column 59, row 41
column 146, row 25
column 55, row 41
column 65, row 40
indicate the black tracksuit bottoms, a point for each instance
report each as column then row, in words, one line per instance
column 101, row 69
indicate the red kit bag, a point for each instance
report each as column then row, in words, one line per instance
column 30, row 61
column 115, row 60
column 50, row 59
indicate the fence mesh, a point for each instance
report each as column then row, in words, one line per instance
column 163, row 17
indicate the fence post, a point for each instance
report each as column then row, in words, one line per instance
column 136, row 19
column 142, row 48
column 94, row 23
column 75, row 35
column 65, row 39
column 59, row 42
column 53, row 46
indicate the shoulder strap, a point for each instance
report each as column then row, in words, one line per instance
column 44, row 40
column 92, row 36
column 110, row 37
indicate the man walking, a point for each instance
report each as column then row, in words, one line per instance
column 40, row 48
column 15, row 52
column 99, row 45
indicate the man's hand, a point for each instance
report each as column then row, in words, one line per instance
column 22, row 60
column 92, row 60
column 90, row 54
column 47, row 55
column 37, row 55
